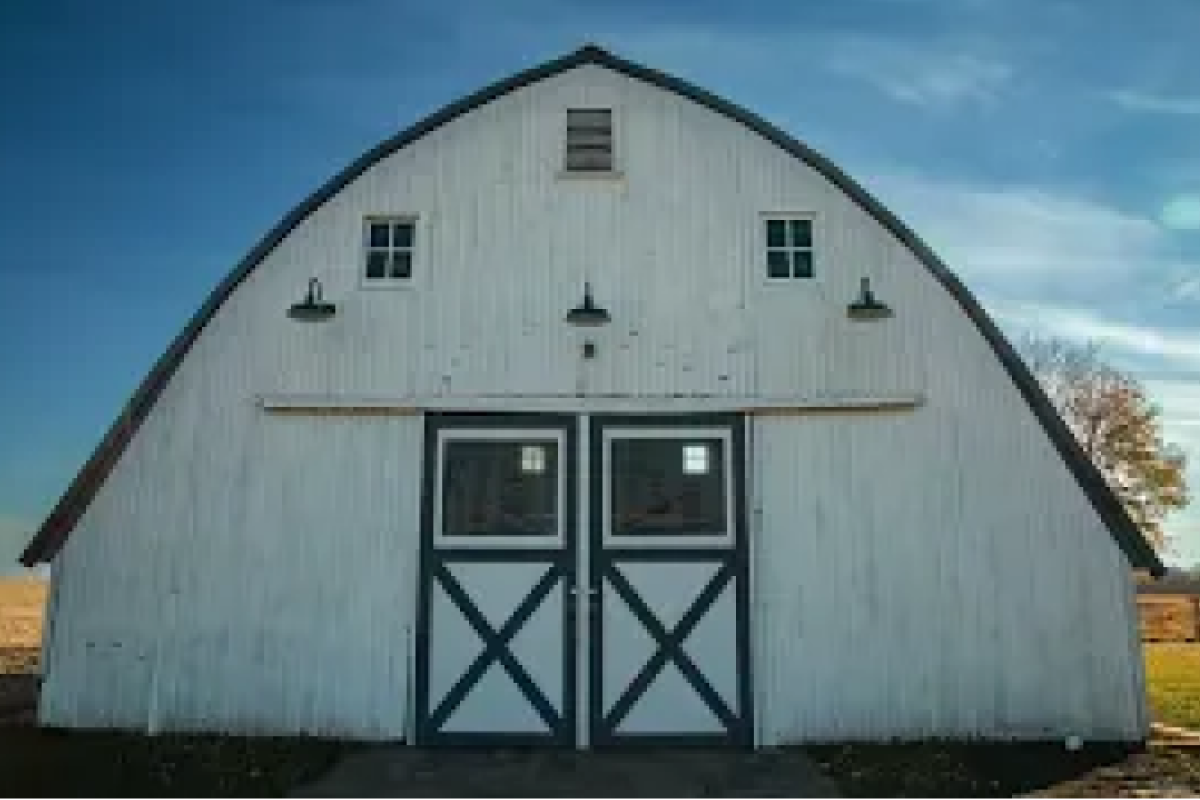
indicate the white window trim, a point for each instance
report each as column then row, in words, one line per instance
column 517, row 436
column 419, row 250
column 761, row 250
column 715, row 541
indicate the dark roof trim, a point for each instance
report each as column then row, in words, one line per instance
column 74, row 502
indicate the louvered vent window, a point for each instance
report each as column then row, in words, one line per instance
column 589, row 140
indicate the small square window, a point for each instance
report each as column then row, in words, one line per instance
column 777, row 264
column 802, row 266
column 533, row 459
column 695, row 459
column 776, row 233
column 401, row 264
column 390, row 245
column 379, row 235
column 789, row 248
column 377, row 264
column 801, row 230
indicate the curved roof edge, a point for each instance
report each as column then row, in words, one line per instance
column 70, row 507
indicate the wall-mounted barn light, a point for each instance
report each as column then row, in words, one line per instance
column 867, row 307
column 588, row 314
column 312, row 308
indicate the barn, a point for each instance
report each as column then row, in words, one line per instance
column 592, row 410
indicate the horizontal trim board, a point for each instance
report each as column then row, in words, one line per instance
column 573, row 404
column 343, row 411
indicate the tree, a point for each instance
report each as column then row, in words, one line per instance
column 1117, row 426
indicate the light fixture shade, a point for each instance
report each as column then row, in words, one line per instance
column 867, row 307
column 312, row 308
column 588, row 314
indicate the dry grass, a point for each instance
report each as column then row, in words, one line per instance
column 1173, row 683
column 22, row 602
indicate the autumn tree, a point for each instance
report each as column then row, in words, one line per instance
column 1117, row 426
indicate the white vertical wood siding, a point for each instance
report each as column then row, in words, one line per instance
column 913, row 582
column 934, row 571
column 257, row 582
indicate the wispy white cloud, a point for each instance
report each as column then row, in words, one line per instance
column 919, row 73
column 1180, row 347
column 1186, row 289
column 1182, row 212
column 1012, row 234
column 1133, row 100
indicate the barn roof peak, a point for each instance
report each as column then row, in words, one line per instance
column 63, row 518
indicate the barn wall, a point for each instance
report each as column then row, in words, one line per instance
column 258, row 582
column 927, row 575
column 240, row 570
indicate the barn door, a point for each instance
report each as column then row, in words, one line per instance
column 668, row 574
column 496, row 658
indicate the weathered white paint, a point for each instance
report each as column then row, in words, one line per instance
column 257, row 583
column 936, row 575
column 929, row 572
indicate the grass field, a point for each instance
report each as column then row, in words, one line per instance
column 1173, row 683
column 21, row 603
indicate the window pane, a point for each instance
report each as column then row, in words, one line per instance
column 659, row 490
column 402, row 234
column 376, row 263
column 533, row 458
column 487, row 492
column 801, row 230
column 378, row 236
column 695, row 459
column 802, row 264
column 777, row 264
column 401, row 264
column 776, row 233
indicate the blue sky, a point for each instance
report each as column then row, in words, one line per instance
column 1048, row 149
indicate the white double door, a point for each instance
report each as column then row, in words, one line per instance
column 584, row 581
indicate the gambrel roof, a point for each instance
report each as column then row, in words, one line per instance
column 62, row 520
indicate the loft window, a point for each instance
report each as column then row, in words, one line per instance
column 589, row 140
column 533, row 458
column 389, row 249
column 695, row 459
column 789, row 248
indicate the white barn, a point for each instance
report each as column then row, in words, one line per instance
column 778, row 479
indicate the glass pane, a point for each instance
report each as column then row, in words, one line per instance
column 658, row 490
column 376, row 263
column 801, row 230
column 777, row 264
column 776, row 233
column 402, row 234
column 486, row 490
column 378, row 234
column 401, row 264
column 533, row 458
column 695, row 459
column 802, row 264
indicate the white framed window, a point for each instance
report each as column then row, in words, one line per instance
column 389, row 250
column 667, row 487
column 789, row 247
column 500, row 488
